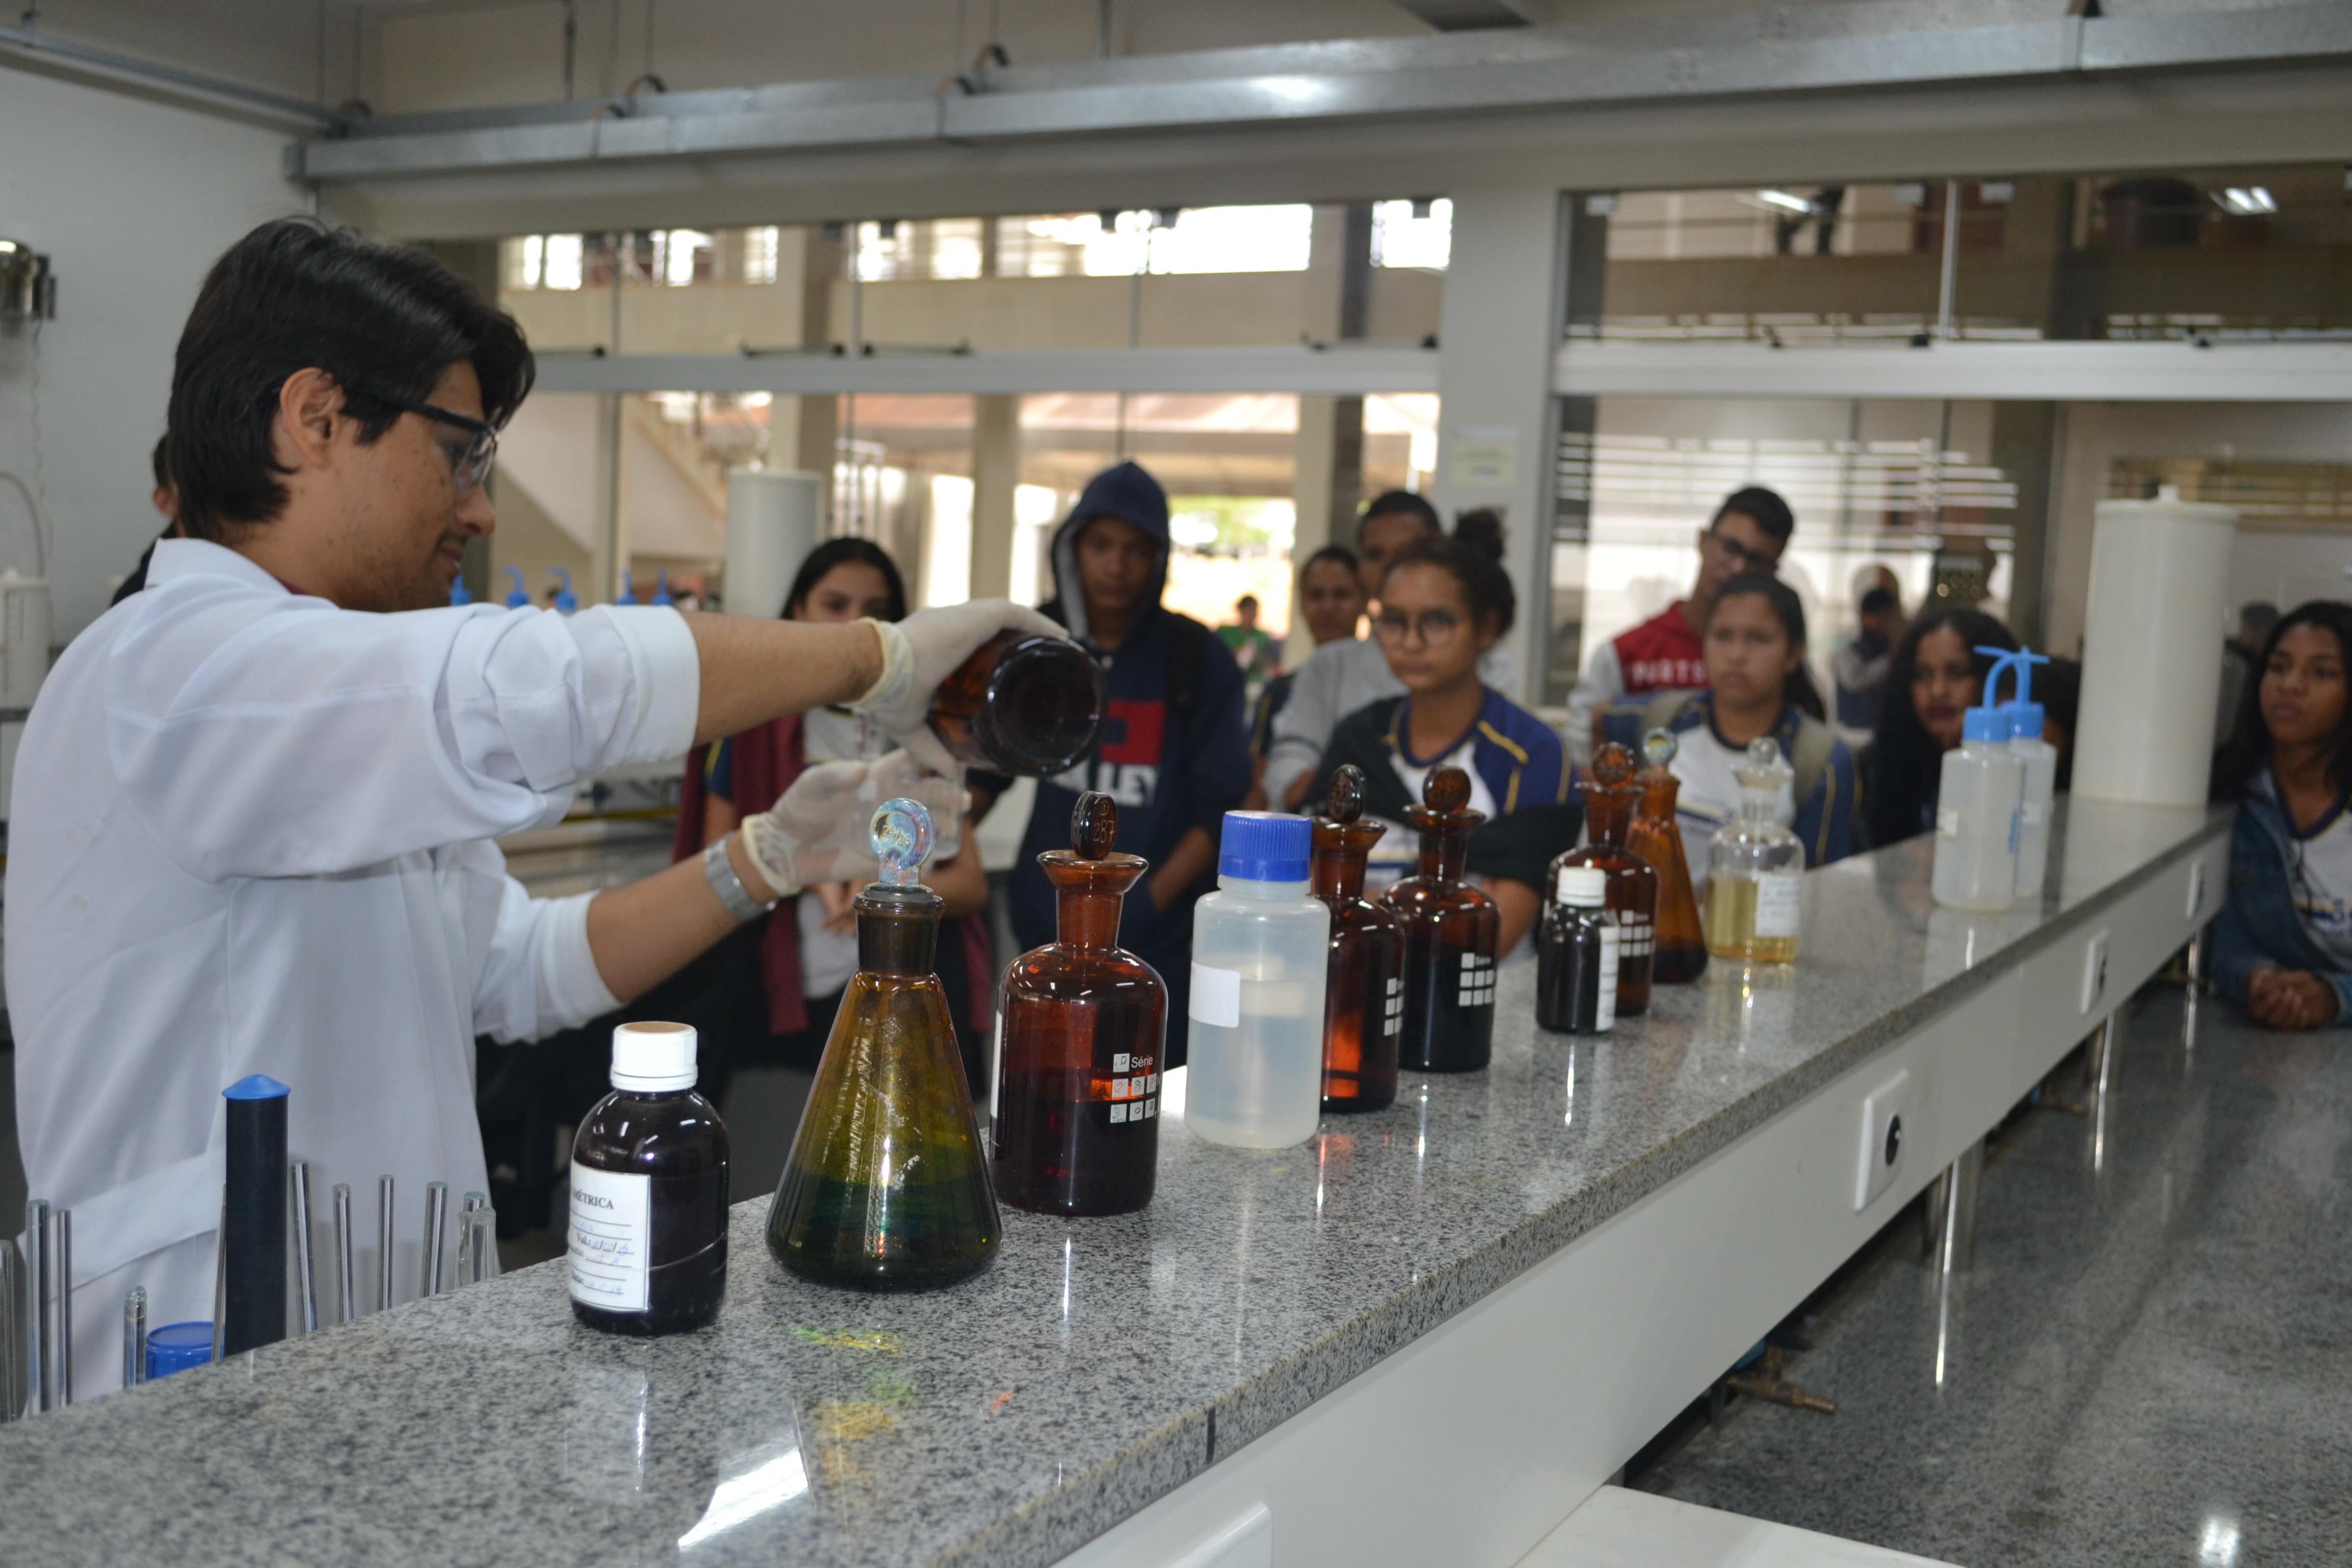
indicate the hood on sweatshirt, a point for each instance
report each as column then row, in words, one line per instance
column 1129, row 494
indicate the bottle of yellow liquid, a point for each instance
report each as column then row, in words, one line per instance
column 1755, row 869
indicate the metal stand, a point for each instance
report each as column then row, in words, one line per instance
column 2102, row 1074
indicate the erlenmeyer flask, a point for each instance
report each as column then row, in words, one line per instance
column 888, row 1187
column 1679, row 954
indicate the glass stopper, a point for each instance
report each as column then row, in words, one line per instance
column 1094, row 826
column 1446, row 790
column 902, row 836
column 1659, row 747
column 1612, row 764
column 1762, row 767
column 1345, row 802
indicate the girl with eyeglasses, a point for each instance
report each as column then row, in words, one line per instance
column 1756, row 684
column 2282, row 946
column 1444, row 605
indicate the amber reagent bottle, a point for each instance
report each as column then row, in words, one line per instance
column 1363, row 1005
column 647, row 1242
column 1451, row 932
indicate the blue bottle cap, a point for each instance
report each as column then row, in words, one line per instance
column 255, row 1086
column 176, row 1347
column 1265, row 846
column 457, row 595
column 1985, row 724
column 566, row 601
column 517, row 598
column 661, row 589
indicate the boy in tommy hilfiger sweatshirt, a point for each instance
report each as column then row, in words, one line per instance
column 1175, row 755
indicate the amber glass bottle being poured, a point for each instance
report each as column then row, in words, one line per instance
column 1077, row 1104
column 1363, row 1002
column 886, row 1187
column 1022, row 704
column 1678, row 950
column 1611, row 795
column 1451, row 932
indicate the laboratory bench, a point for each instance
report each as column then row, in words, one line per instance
column 1426, row 1334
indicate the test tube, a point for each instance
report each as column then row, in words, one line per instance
column 477, row 1244
column 64, row 1222
column 134, row 1337
column 346, row 1305
column 383, row 1196
column 41, row 1365
column 220, row 1276
column 298, row 1180
column 436, row 1227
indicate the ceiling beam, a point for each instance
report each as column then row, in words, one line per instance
column 1302, row 89
column 1338, row 371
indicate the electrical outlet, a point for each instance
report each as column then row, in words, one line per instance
column 1890, row 1119
column 2196, row 887
column 2094, row 974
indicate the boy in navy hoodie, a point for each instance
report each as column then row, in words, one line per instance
column 1175, row 754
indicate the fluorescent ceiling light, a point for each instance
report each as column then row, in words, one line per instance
column 2248, row 201
column 1784, row 201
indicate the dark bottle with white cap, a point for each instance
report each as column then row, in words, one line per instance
column 1577, row 954
column 648, row 1232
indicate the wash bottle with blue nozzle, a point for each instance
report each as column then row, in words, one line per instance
column 457, row 595
column 517, row 598
column 1976, row 808
column 661, row 589
column 2038, row 757
column 566, row 601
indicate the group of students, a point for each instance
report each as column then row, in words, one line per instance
column 1717, row 670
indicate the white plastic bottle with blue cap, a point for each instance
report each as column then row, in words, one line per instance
column 2038, row 758
column 1255, row 1078
column 1976, row 808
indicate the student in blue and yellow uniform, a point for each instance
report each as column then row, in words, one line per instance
column 1754, row 647
column 1444, row 603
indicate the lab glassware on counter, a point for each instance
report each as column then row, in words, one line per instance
column 1678, row 939
column 1755, row 867
column 306, row 1279
column 647, row 1247
column 1578, row 955
column 1977, row 803
column 1022, row 704
column 1364, row 1005
column 134, row 1336
column 1086, row 1031
column 1260, row 959
column 1611, row 795
column 2037, row 759
column 1451, row 933
column 253, row 1242
column 176, row 1347
column 886, row 1187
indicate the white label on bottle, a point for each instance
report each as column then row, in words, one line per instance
column 1393, row 1007
column 1119, row 1113
column 1119, row 1061
column 1477, row 982
column 1216, row 996
column 2032, row 813
column 1635, row 936
column 1118, row 1089
column 1948, row 821
column 1604, row 1017
column 1150, row 1108
column 1779, row 903
column 612, row 1233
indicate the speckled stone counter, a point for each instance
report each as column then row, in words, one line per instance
column 1098, row 1367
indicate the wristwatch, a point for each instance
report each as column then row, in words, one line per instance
column 734, row 896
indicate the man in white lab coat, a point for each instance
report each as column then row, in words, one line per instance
column 255, row 802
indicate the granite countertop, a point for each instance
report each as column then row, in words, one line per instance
column 1098, row 1365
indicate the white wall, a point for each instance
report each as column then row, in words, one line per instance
column 133, row 201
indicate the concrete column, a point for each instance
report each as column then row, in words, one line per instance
column 1327, row 475
column 995, row 475
column 1497, row 421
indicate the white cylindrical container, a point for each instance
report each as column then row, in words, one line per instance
column 772, row 518
column 1976, row 817
column 1259, row 964
column 24, row 638
column 2152, row 651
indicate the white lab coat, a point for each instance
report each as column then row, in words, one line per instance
column 251, row 835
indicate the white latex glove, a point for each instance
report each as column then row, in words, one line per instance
column 818, row 830
column 924, row 649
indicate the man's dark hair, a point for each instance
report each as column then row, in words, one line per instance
column 1761, row 506
column 296, row 294
column 1880, row 602
column 1246, row 602
column 158, row 461
column 1403, row 503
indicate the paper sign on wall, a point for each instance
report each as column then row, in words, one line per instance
column 1486, row 457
